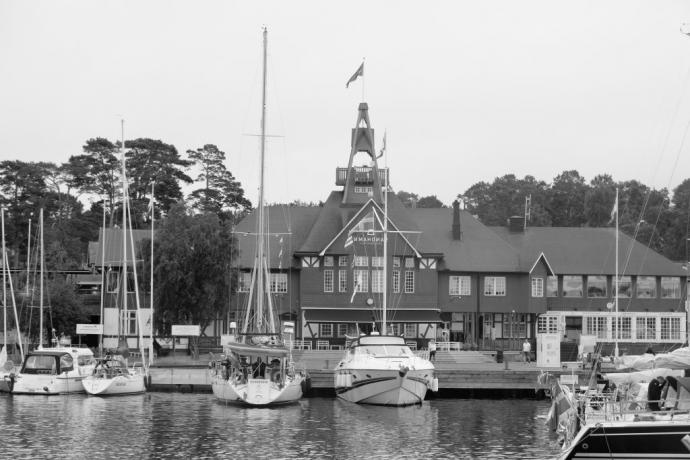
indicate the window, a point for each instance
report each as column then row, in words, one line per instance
column 596, row 286
column 459, row 285
column 328, row 261
column 325, row 330
column 396, row 262
column 670, row 287
column 396, row 281
column 572, row 286
column 551, row 286
column 377, row 281
column 495, row 286
column 377, row 261
column 409, row 282
column 670, row 328
column 342, row 329
column 625, row 323
column 245, row 281
column 342, row 280
column 328, row 281
column 342, row 261
column 409, row 262
column 547, row 325
column 129, row 322
column 646, row 287
column 360, row 189
column 646, row 328
column 596, row 325
column 624, row 287
column 361, row 261
column 279, row 283
column 537, row 287
column 361, row 279
column 410, row 330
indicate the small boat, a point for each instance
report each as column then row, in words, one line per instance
column 383, row 370
column 256, row 368
column 52, row 371
column 111, row 376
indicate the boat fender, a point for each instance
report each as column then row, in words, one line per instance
column 402, row 372
column 10, row 379
column 147, row 381
column 306, row 385
column 434, row 384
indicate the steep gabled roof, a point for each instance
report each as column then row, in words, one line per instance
column 479, row 250
column 289, row 223
column 587, row 251
column 111, row 238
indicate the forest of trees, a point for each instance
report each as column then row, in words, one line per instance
column 204, row 217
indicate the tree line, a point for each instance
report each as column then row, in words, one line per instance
column 656, row 218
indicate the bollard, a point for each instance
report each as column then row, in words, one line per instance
column 505, row 363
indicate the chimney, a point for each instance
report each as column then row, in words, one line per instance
column 516, row 224
column 457, row 233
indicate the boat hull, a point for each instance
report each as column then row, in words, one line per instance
column 648, row 440
column 257, row 392
column 30, row 384
column 112, row 386
column 387, row 387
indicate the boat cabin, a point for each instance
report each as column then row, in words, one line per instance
column 55, row 362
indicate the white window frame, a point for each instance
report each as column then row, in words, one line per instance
column 396, row 281
column 341, row 329
column 593, row 280
column 669, row 328
column 328, row 281
column 244, row 281
column 377, row 281
column 495, row 286
column 360, row 280
column 342, row 280
column 409, row 281
column 459, row 285
column 325, row 329
column 342, row 261
column 409, row 262
column 637, row 288
column 643, row 329
column 327, row 261
column 537, row 284
column 279, row 283
column 361, row 261
column 670, row 287
column 396, row 262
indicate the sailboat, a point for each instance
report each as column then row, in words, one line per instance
column 256, row 368
column 382, row 369
column 112, row 376
column 54, row 370
column 7, row 367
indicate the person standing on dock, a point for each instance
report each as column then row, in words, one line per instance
column 527, row 351
column 432, row 350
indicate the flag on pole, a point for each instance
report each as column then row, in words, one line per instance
column 614, row 211
column 383, row 148
column 358, row 73
column 348, row 241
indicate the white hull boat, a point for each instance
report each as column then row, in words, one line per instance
column 51, row 371
column 112, row 377
column 383, row 370
column 257, row 392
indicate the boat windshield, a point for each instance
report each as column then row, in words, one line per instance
column 383, row 351
column 40, row 364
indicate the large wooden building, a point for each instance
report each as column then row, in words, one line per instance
column 451, row 277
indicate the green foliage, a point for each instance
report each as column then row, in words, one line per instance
column 64, row 308
column 192, row 259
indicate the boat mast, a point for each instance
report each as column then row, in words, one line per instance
column 4, row 280
column 28, row 259
column 615, row 294
column 100, row 338
column 151, row 294
column 261, row 282
column 385, row 253
column 40, row 321
column 124, row 229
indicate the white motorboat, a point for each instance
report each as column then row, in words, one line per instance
column 383, row 370
column 52, row 371
column 256, row 368
column 111, row 376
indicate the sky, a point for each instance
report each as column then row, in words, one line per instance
column 466, row 91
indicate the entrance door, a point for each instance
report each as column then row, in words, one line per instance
column 573, row 328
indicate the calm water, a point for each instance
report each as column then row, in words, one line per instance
column 173, row 425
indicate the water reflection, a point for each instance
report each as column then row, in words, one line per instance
column 166, row 425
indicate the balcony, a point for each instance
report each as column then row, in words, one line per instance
column 363, row 175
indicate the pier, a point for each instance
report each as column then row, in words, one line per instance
column 464, row 372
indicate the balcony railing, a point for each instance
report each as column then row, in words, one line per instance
column 363, row 175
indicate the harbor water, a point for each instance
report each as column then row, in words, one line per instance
column 176, row 425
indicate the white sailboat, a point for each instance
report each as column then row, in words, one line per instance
column 257, row 367
column 112, row 375
column 53, row 370
column 382, row 369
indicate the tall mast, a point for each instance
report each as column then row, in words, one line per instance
column 4, row 279
column 385, row 252
column 100, row 338
column 615, row 295
column 262, row 288
column 124, row 226
column 28, row 259
column 40, row 322
column 151, row 293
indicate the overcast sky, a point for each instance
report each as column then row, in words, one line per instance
column 466, row 90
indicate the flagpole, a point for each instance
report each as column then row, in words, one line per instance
column 363, row 59
column 615, row 294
